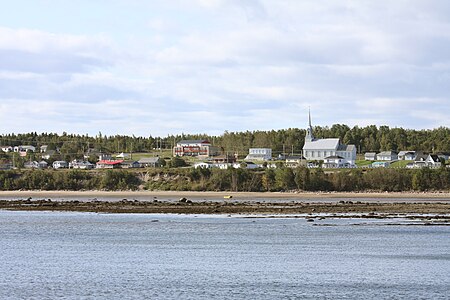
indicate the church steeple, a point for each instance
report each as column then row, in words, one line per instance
column 309, row 132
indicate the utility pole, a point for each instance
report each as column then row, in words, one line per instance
column 131, row 152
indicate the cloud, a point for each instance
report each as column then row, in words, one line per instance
column 210, row 66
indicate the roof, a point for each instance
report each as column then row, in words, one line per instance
column 110, row 162
column 323, row 144
column 129, row 162
column 256, row 156
column 421, row 157
column 434, row 157
column 403, row 153
column 370, row 154
column 148, row 160
column 334, row 157
column 194, row 142
column 343, row 147
column 387, row 153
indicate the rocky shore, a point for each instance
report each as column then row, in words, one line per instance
column 186, row 206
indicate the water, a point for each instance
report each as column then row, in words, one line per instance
column 46, row 255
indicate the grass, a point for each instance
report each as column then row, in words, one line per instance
column 362, row 163
column 164, row 153
column 400, row 164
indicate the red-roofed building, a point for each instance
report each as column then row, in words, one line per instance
column 109, row 164
column 201, row 148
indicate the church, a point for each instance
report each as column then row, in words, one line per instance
column 328, row 150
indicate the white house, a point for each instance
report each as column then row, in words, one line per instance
column 334, row 162
column 319, row 149
column 370, row 156
column 24, row 148
column 407, row 155
column 203, row 165
column 294, row 161
column 7, row 148
column 60, row 164
column 387, row 156
column 259, row 154
column 123, row 155
column 80, row 164
column 433, row 161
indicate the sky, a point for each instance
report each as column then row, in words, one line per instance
column 148, row 67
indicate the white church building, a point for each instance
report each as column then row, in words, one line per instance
column 321, row 149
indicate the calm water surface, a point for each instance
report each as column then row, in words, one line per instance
column 47, row 255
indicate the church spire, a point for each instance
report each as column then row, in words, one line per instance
column 309, row 132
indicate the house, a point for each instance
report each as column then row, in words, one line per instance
column 31, row 165
column 433, row 161
column 387, row 156
column 247, row 165
column 80, row 164
column 318, row 149
column 334, row 162
column 380, row 164
column 48, row 154
column 129, row 164
column 104, row 156
column 420, row 161
column 222, row 165
column 60, row 164
column 43, row 148
column 36, row 165
column 24, row 149
column 370, row 156
column 294, row 161
column 263, row 154
column 123, row 155
column 444, row 155
column 203, row 165
column 109, row 164
column 92, row 152
column 407, row 155
column 227, row 158
column 200, row 148
column 6, row 148
column 150, row 162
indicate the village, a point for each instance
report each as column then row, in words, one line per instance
column 326, row 153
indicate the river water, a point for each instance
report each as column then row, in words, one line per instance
column 67, row 255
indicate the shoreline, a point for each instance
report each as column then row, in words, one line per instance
column 369, row 205
column 416, row 196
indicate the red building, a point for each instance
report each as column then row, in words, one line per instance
column 195, row 148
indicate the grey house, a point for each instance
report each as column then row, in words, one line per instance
column 387, row 156
column 150, row 162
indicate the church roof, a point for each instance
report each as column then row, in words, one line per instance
column 322, row 144
column 346, row 147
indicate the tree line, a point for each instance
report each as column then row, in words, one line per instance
column 369, row 138
column 233, row 180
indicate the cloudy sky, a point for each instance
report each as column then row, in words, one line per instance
column 205, row 66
